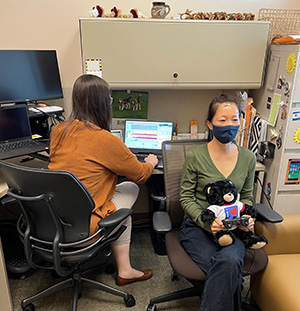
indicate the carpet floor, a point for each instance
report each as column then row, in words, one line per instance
column 143, row 256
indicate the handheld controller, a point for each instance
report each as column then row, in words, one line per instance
column 229, row 223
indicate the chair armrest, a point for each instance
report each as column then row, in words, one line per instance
column 161, row 199
column 283, row 237
column 115, row 218
column 265, row 213
column 161, row 222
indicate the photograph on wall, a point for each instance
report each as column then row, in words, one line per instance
column 130, row 105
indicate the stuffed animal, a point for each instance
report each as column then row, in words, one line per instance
column 97, row 11
column 222, row 197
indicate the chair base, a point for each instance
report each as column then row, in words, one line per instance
column 76, row 282
column 184, row 293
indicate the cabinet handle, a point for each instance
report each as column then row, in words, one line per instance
column 175, row 75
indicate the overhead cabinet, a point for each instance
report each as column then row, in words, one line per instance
column 187, row 54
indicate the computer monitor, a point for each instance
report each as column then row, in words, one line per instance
column 147, row 136
column 29, row 76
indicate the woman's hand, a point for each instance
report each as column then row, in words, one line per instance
column 250, row 225
column 216, row 226
column 152, row 159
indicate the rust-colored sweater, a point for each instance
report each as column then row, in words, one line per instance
column 96, row 157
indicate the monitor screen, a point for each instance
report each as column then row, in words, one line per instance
column 14, row 123
column 147, row 135
column 29, row 76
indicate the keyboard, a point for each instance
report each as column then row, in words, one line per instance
column 142, row 156
column 27, row 143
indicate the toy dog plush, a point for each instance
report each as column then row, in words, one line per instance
column 222, row 197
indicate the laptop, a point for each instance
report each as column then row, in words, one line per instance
column 117, row 133
column 143, row 137
column 15, row 133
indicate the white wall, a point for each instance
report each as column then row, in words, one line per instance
column 53, row 24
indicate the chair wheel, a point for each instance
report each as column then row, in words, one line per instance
column 129, row 301
column 151, row 307
column 30, row 307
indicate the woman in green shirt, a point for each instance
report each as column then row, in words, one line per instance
column 221, row 158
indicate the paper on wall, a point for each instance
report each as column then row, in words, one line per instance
column 274, row 109
column 272, row 72
column 93, row 66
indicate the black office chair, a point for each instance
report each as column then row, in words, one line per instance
column 168, row 220
column 54, row 228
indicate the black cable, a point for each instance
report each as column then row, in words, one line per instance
column 43, row 112
column 46, row 116
column 263, row 191
column 54, row 118
column 249, row 273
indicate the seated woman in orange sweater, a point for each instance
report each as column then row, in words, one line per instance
column 85, row 147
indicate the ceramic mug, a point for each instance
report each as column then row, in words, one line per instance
column 160, row 10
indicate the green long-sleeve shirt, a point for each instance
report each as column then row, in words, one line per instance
column 199, row 170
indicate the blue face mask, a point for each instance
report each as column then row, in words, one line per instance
column 225, row 134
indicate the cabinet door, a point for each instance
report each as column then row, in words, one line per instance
column 183, row 54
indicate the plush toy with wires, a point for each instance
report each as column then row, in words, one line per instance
column 222, row 197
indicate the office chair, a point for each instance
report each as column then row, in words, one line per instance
column 169, row 218
column 54, row 228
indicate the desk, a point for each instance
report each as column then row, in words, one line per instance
column 5, row 298
column 3, row 186
column 260, row 171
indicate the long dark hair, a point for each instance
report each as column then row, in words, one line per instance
column 90, row 104
column 91, row 101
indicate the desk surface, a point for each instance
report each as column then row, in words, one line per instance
column 5, row 298
column 3, row 186
column 42, row 111
column 258, row 168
